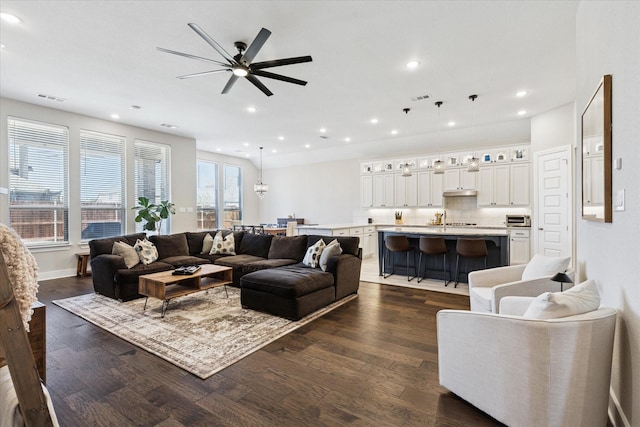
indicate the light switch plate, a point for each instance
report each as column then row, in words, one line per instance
column 619, row 203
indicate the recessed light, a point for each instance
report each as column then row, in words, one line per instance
column 521, row 93
column 323, row 130
column 218, row 149
column 307, row 145
column 247, row 155
column 522, row 112
column 281, row 138
column 10, row 18
column 374, row 121
column 1, row 45
column 115, row 116
column 451, row 124
column 246, row 144
column 274, row 151
column 394, row 132
column 166, row 125
column 347, row 139
column 251, row 109
column 412, row 65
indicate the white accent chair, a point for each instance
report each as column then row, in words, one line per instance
column 488, row 287
column 528, row 372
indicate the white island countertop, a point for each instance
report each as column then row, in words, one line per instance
column 458, row 231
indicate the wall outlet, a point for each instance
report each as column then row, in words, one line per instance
column 618, row 204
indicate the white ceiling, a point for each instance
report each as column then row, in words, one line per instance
column 101, row 57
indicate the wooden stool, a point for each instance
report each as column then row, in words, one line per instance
column 433, row 246
column 83, row 261
column 397, row 244
column 470, row 248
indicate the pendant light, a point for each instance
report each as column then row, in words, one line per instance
column 438, row 165
column 260, row 188
column 473, row 164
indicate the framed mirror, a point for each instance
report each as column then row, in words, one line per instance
column 596, row 155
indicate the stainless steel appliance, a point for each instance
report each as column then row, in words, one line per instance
column 518, row 221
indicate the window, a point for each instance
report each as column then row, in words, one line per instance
column 101, row 184
column 152, row 176
column 232, row 192
column 38, row 181
column 207, row 195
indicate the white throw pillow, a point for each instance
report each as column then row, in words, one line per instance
column 312, row 257
column 543, row 266
column 207, row 244
column 131, row 258
column 577, row 300
column 147, row 251
column 332, row 249
column 223, row 246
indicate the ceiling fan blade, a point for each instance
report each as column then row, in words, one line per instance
column 279, row 62
column 204, row 73
column 278, row 77
column 259, row 85
column 186, row 55
column 214, row 44
column 255, row 46
column 232, row 80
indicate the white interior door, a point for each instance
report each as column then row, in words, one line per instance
column 552, row 220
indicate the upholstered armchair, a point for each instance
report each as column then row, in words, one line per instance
column 488, row 287
column 529, row 372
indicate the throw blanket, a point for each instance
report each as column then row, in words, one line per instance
column 10, row 415
column 23, row 271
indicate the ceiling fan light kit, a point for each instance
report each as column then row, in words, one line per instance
column 242, row 65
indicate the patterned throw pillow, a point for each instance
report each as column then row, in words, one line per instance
column 207, row 244
column 312, row 257
column 127, row 252
column 332, row 249
column 147, row 251
column 223, row 246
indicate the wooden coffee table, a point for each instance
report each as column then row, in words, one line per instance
column 166, row 286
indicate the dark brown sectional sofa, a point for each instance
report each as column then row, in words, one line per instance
column 268, row 269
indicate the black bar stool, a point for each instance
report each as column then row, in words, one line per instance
column 470, row 248
column 433, row 246
column 397, row 244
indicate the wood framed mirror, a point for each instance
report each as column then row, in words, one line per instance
column 596, row 155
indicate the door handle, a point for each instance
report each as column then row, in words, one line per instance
column 540, row 228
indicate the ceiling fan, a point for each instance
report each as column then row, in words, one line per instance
column 240, row 65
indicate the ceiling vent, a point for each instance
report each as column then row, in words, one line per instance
column 51, row 98
column 420, row 98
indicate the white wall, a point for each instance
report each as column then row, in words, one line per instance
column 553, row 128
column 608, row 42
column 61, row 261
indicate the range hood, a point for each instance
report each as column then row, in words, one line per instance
column 460, row 193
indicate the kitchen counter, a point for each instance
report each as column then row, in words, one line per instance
column 449, row 230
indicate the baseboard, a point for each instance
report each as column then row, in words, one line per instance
column 56, row 274
column 616, row 414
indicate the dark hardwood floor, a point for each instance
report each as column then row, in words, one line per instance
column 372, row 361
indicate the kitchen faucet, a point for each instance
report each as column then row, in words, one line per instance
column 444, row 218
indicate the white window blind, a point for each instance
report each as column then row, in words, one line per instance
column 232, row 195
column 38, row 181
column 152, row 175
column 207, row 195
column 102, row 187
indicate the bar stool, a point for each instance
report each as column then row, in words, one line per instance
column 397, row 244
column 434, row 246
column 470, row 248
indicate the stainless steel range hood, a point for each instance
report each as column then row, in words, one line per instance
column 460, row 193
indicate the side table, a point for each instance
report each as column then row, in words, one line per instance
column 83, row 261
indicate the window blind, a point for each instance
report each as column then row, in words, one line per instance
column 207, row 195
column 232, row 195
column 38, row 181
column 152, row 175
column 102, row 184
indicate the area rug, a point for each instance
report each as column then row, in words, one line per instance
column 201, row 333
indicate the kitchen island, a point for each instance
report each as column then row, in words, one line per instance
column 497, row 245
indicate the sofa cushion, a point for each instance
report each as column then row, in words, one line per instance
column 482, row 296
column 267, row 263
column 146, row 250
column 542, row 266
column 131, row 275
column 127, row 252
column 349, row 245
column 255, row 244
column 105, row 246
column 312, row 256
column 287, row 282
column 290, row 247
column 332, row 249
column 195, row 241
column 207, row 244
column 171, row 245
column 577, row 300
column 181, row 260
column 237, row 261
column 223, row 245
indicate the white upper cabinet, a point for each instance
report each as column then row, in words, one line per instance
column 459, row 179
column 383, row 191
column 520, row 193
column 430, row 189
column 504, row 185
column 366, row 191
column 406, row 190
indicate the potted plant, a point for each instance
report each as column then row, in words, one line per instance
column 153, row 214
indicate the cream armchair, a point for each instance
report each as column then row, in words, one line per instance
column 488, row 287
column 526, row 372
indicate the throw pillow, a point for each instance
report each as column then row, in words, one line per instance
column 207, row 244
column 147, row 251
column 131, row 258
column 332, row 249
column 223, row 245
column 577, row 300
column 312, row 256
column 543, row 266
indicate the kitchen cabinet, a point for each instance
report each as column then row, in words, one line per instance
column 366, row 191
column 519, row 194
column 383, row 189
column 406, row 190
column 430, row 187
column 459, row 179
column 367, row 237
column 519, row 247
column 504, row 185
